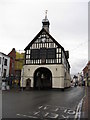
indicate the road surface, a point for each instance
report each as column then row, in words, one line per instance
column 41, row 104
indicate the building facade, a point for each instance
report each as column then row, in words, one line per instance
column 86, row 74
column 19, row 62
column 16, row 64
column 4, row 66
column 46, row 62
column 12, row 56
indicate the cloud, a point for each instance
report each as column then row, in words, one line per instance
column 21, row 20
column 78, row 65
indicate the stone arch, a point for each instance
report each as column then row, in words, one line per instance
column 42, row 78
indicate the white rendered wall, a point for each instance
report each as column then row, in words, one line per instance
column 4, row 66
column 1, row 65
column 56, row 70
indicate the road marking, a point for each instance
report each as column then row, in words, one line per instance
column 17, row 114
column 45, row 108
column 46, row 114
column 65, row 110
column 65, row 117
column 36, row 113
column 56, row 109
column 78, row 110
column 40, row 107
column 26, row 116
column 55, row 115
column 71, row 112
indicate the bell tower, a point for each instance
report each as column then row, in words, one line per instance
column 45, row 22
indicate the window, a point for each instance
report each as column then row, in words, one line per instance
column 5, row 62
column 34, row 54
column 43, row 53
column 51, row 53
column 4, row 74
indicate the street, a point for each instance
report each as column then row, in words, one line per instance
column 41, row 104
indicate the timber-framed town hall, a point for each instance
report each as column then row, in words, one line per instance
column 46, row 62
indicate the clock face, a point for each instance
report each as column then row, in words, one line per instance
column 43, row 39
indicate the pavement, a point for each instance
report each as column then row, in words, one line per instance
column 86, row 105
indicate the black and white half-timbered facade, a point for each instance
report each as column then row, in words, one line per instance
column 46, row 62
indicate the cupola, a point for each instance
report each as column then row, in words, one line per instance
column 45, row 22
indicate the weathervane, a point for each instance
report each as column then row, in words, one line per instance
column 46, row 14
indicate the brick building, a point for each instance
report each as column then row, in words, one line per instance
column 16, row 64
column 86, row 73
column 12, row 56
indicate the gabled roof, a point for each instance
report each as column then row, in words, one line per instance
column 4, row 54
column 36, row 37
column 13, row 50
column 86, row 67
column 43, row 30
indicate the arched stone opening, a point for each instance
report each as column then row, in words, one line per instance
column 42, row 78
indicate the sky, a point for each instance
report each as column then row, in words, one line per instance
column 21, row 20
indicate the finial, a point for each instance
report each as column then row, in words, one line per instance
column 46, row 14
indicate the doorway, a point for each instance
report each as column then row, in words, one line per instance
column 42, row 78
column 28, row 83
